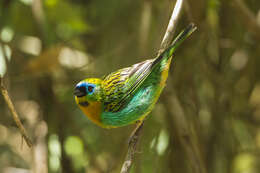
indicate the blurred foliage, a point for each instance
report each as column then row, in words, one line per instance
column 46, row 47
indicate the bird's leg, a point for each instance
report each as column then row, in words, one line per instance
column 135, row 134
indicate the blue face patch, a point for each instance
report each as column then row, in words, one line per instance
column 89, row 88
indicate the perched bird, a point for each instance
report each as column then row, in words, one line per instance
column 127, row 95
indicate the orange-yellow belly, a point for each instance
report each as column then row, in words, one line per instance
column 92, row 111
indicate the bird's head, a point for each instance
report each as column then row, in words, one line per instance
column 88, row 91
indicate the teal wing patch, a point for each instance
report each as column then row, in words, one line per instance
column 119, row 86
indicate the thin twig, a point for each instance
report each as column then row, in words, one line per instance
column 165, row 43
column 167, row 39
column 131, row 149
column 14, row 113
column 11, row 105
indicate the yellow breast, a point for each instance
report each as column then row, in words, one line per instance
column 92, row 111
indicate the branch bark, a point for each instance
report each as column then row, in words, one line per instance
column 132, row 149
column 167, row 39
column 14, row 113
column 164, row 44
column 11, row 105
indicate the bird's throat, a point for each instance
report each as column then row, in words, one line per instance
column 92, row 110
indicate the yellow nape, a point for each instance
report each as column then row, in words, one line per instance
column 92, row 111
column 93, row 80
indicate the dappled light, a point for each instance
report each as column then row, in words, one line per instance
column 207, row 119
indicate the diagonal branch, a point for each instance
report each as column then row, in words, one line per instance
column 14, row 113
column 167, row 39
column 11, row 106
column 165, row 43
column 132, row 148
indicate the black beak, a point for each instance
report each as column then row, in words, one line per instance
column 80, row 91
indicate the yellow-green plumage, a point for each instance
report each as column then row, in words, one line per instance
column 129, row 94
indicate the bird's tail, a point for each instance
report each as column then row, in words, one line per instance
column 167, row 53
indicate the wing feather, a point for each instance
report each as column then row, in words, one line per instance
column 121, row 85
column 118, row 86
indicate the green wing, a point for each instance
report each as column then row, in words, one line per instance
column 122, row 83
column 119, row 86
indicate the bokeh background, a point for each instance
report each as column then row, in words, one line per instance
column 206, row 121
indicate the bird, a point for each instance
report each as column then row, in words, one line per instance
column 127, row 95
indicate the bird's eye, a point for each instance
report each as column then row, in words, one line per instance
column 90, row 89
